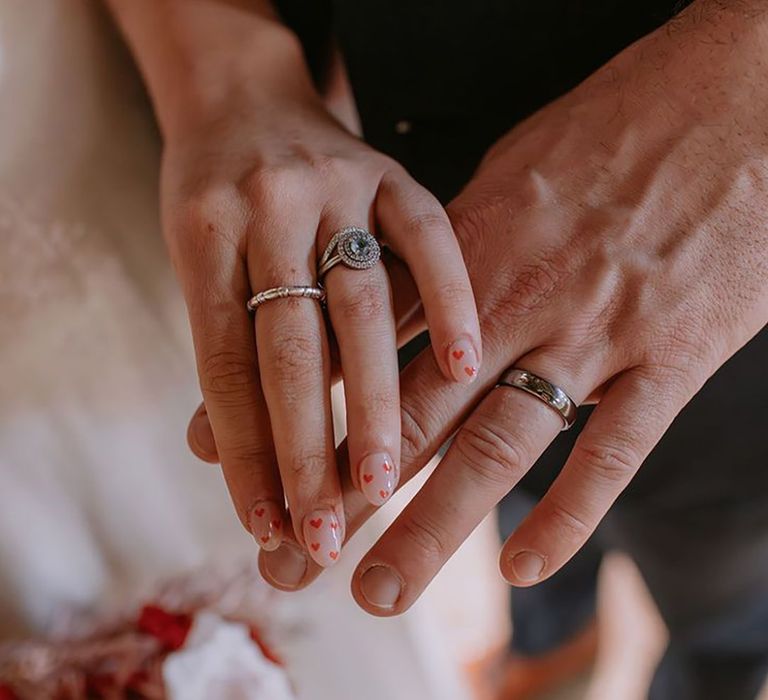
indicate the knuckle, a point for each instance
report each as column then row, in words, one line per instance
column 227, row 373
column 248, row 457
column 362, row 302
column 429, row 539
column 530, row 288
column 269, row 186
column 433, row 222
column 455, row 294
column 308, row 467
column 609, row 464
column 413, row 433
column 494, row 459
column 567, row 524
column 294, row 359
column 204, row 218
column 378, row 404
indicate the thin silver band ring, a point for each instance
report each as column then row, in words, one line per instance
column 545, row 391
column 355, row 247
column 257, row 300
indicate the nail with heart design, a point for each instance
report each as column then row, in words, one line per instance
column 463, row 361
column 378, row 477
column 322, row 533
column 266, row 524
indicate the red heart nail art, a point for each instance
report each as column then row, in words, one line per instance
column 316, row 523
column 458, row 354
column 334, row 525
column 259, row 512
column 470, row 371
column 383, row 493
column 333, row 555
column 276, row 524
column 368, row 478
column 315, row 546
column 265, row 539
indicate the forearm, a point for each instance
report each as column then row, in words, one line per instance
column 200, row 56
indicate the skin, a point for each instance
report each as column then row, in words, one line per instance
column 257, row 176
column 617, row 242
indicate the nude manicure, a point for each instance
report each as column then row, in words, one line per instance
column 266, row 523
column 322, row 533
column 463, row 362
column 378, row 478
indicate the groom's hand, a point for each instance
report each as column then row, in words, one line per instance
column 618, row 247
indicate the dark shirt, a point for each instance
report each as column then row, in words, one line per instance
column 437, row 82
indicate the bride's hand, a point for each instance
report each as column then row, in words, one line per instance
column 255, row 183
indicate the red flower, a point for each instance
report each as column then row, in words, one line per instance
column 169, row 629
column 7, row 693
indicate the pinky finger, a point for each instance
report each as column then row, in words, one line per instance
column 627, row 424
column 417, row 228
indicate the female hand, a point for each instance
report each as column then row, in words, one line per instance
column 257, row 177
column 618, row 246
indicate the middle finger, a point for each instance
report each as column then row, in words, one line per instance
column 361, row 312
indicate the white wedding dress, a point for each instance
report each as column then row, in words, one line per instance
column 99, row 497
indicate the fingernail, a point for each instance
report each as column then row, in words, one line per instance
column 322, row 533
column 462, row 360
column 266, row 523
column 381, row 587
column 528, row 566
column 286, row 565
column 378, row 477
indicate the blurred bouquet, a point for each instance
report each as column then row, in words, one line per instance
column 196, row 638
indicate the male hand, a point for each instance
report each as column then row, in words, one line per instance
column 617, row 243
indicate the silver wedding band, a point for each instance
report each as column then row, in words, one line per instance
column 317, row 293
column 544, row 390
column 353, row 247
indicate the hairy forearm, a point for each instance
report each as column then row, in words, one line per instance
column 197, row 56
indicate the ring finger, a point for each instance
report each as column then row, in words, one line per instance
column 294, row 364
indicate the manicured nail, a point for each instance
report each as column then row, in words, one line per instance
column 322, row 533
column 266, row 524
column 528, row 566
column 381, row 587
column 462, row 360
column 378, row 478
column 286, row 565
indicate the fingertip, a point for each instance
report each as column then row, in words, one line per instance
column 463, row 360
column 323, row 536
column 286, row 568
column 377, row 478
column 378, row 589
column 200, row 437
column 522, row 567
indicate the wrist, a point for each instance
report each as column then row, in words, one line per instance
column 201, row 58
column 202, row 86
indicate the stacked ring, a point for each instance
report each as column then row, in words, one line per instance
column 354, row 247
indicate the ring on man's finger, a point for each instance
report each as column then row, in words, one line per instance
column 544, row 390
